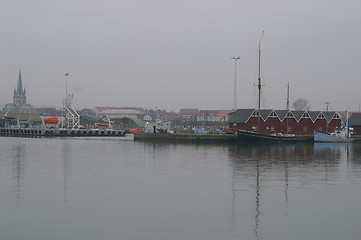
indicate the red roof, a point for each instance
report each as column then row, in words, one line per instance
column 168, row 116
column 224, row 112
column 104, row 108
column 188, row 111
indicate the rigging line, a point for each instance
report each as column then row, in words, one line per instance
column 248, row 80
column 252, row 70
column 264, row 97
column 255, row 70
column 253, row 101
column 251, row 74
column 264, row 100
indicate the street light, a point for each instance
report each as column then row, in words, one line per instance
column 327, row 103
column 235, row 82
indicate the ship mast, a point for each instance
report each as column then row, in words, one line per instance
column 259, row 85
column 287, row 105
column 347, row 125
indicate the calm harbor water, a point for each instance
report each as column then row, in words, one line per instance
column 115, row 188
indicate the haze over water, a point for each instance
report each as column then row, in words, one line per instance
column 115, row 188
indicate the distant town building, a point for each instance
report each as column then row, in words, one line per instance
column 223, row 115
column 147, row 118
column 188, row 114
column 19, row 104
column 168, row 117
column 119, row 112
column 207, row 116
column 157, row 127
column 49, row 111
column 196, row 115
column 213, row 115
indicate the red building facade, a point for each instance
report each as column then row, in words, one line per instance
column 281, row 121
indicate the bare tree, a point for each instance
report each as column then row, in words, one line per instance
column 301, row 104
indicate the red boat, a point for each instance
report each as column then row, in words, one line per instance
column 104, row 124
column 136, row 130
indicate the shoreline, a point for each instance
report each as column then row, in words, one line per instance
column 195, row 137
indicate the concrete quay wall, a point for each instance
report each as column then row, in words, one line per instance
column 186, row 137
column 50, row 132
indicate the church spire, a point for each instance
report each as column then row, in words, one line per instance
column 20, row 90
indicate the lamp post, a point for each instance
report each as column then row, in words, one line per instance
column 235, row 82
column 66, row 86
column 327, row 103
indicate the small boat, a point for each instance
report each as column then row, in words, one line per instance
column 107, row 123
column 104, row 124
column 136, row 130
column 340, row 135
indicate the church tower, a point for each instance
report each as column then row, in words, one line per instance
column 19, row 93
column 19, row 104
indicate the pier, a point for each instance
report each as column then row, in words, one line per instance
column 45, row 132
column 186, row 137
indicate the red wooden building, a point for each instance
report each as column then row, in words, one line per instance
column 280, row 121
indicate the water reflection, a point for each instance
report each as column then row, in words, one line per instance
column 333, row 150
column 206, row 191
column 257, row 215
column 67, row 160
column 270, row 163
column 18, row 154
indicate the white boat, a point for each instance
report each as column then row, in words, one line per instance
column 342, row 134
column 338, row 136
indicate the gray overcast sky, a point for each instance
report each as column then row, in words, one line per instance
column 173, row 54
